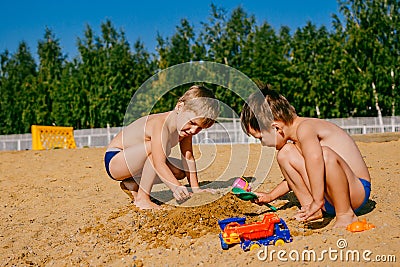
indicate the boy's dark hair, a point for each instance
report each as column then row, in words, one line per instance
column 264, row 107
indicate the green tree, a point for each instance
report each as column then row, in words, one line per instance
column 180, row 48
column 17, row 74
column 239, row 28
column 212, row 34
column 228, row 40
column 372, row 50
column 109, row 75
column 308, row 89
column 47, row 93
column 264, row 55
column 352, row 70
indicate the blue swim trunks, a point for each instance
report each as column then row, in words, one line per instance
column 110, row 153
column 367, row 188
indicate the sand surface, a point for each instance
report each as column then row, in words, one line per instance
column 59, row 208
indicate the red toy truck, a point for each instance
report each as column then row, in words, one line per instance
column 271, row 230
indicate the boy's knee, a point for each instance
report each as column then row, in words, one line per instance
column 285, row 153
column 329, row 155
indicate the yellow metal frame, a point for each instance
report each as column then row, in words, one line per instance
column 51, row 137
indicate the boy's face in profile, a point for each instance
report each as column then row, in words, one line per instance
column 188, row 123
column 268, row 138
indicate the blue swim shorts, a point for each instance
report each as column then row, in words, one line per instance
column 330, row 209
column 110, row 153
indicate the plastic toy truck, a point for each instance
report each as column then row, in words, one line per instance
column 272, row 230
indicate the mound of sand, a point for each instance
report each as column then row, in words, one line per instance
column 59, row 208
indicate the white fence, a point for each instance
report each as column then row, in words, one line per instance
column 366, row 125
column 226, row 131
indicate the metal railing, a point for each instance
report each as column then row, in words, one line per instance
column 227, row 130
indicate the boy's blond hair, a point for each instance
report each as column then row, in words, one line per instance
column 201, row 100
column 264, row 107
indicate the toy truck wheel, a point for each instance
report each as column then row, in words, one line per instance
column 254, row 246
column 279, row 242
column 224, row 245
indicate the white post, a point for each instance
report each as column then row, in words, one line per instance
column 108, row 134
column 241, row 134
column 392, row 122
column 234, row 129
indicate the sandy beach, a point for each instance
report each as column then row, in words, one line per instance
column 59, row 208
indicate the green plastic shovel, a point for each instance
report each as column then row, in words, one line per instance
column 244, row 195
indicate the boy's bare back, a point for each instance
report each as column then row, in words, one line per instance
column 141, row 130
column 334, row 137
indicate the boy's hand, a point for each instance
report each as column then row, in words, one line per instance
column 262, row 198
column 181, row 193
column 309, row 212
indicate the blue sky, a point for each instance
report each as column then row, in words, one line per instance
column 26, row 20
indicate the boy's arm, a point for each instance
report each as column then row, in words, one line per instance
column 159, row 140
column 189, row 163
column 314, row 162
column 280, row 190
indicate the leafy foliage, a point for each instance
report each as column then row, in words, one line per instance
column 350, row 70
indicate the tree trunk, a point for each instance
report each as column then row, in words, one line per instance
column 393, row 94
column 378, row 109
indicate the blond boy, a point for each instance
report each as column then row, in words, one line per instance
column 319, row 161
column 147, row 142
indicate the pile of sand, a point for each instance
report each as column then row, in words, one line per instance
column 59, row 208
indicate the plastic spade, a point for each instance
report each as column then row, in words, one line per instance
column 244, row 195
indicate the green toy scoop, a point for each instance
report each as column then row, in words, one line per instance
column 244, row 195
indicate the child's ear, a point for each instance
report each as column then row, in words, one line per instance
column 275, row 125
column 278, row 126
column 179, row 106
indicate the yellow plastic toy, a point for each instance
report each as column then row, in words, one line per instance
column 51, row 137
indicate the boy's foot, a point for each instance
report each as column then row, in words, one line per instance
column 342, row 220
column 316, row 216
column 147, row 205
column 130, row 187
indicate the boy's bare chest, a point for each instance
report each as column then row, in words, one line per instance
column 173, row 139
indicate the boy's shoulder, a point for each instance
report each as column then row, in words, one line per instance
column 148, row 121
column 312, row 122
column 155, row 117
column 305, row 122
column 314, row 125
column 158, row 121
column 308, row 127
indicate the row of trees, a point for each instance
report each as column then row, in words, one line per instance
column 350, row 70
